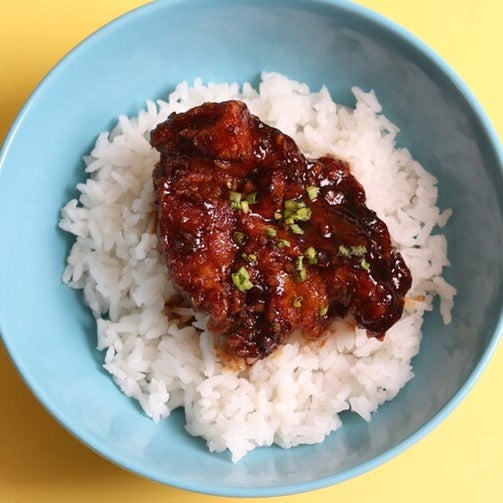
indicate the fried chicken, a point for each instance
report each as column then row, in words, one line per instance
column 264, row 240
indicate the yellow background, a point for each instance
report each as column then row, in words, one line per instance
column 460, row 461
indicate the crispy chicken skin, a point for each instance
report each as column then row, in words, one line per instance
column 264, row 240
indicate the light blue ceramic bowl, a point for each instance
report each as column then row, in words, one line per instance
column 50, row 335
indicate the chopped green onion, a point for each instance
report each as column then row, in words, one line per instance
column 355, row 251
column 277, row 215
column 241, row 280
column 239, row 237
column 298, row 263
column 252, row 198
column 271, row 231
column 284, row 243
column 292, row 205
column 235, row 197
column 249, row 257
column 299, row 267
column 358, row 251
column 323, row 310
column 296, row 229
column 296, row 210
column 310, row 253
column 302, row 214
column 301, row 275
column 297, row 302
column 312, row 192
column 245, row 207
column 344, row 251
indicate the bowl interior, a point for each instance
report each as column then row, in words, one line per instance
column 51, row 335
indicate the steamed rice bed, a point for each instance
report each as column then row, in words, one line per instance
column 164, row 357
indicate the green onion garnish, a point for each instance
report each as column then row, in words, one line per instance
column 252, row 198
column 344, row 251
column 292, row 205
column 297, row 302
column 249, row 257
column 284, row 243
column 245, row 207
column 310, row 253
column 277, row 215
column 312, row 192
column 241, row 280
column 358, row 251
column 299, row 268
column 302, row 214
column 298, row 263
column 300, row 276
column 235, row 197
column 323, row 310
column 296, row 211
column 238, row 237
column 354, row 251
column 296, row 229
column 271, row 232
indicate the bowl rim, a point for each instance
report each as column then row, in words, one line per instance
column 219, row 490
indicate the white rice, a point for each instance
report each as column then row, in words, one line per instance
column 166, row 359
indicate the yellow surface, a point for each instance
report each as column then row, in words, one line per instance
column 460, row 461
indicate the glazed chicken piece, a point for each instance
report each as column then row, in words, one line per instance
column 264, row 240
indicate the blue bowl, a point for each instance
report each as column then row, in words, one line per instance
column 50, row 335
